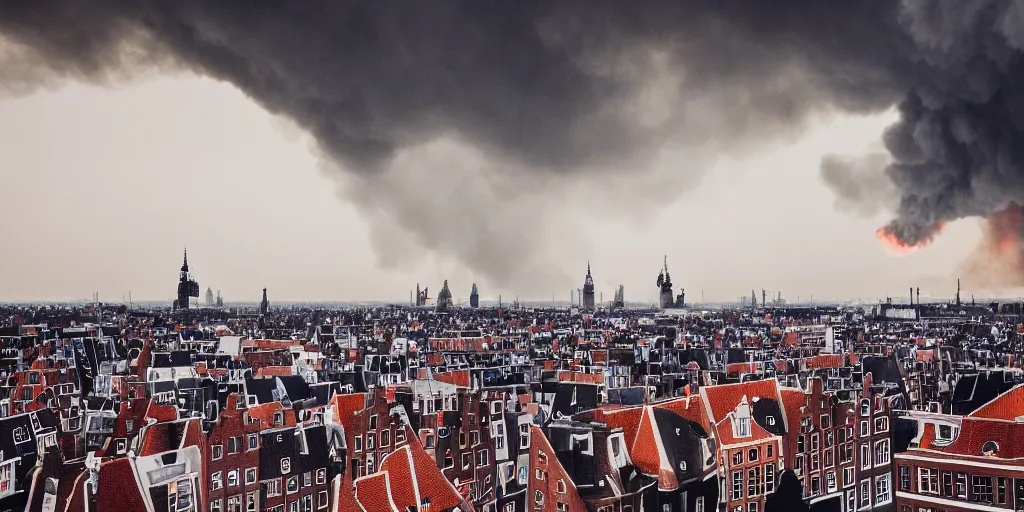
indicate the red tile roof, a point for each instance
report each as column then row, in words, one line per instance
column 723, row 399
column 1007, row 406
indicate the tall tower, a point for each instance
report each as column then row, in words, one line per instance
column 444, row 298
column 187, row 287
column 209, row 298
column 474, row 297
column 588, row 290
column 264, row 304
column 665, row 284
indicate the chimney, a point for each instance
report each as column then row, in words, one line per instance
column 918, row 295
column 911, row 295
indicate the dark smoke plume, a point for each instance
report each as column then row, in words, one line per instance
column 443, row 118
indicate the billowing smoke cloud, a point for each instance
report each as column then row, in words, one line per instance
column 458, row 123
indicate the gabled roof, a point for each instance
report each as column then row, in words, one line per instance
column 408, row 477
column 1007, row 406
column 723, row 399
column 725, row 432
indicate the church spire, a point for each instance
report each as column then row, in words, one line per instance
column 184, row 263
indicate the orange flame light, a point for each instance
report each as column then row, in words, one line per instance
column 898, row 247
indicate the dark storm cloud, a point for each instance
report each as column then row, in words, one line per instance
column 570, row 90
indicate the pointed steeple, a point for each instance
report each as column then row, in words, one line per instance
column 184, row 263
column 588, row 269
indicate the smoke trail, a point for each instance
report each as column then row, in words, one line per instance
column 444, row 118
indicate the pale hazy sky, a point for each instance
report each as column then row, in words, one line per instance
column 102, row 188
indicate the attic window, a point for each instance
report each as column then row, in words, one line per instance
column 770, row 420
column 682, row 465
column 743, row 427
column 989, row 448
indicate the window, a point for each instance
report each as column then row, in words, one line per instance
column 217, row 451
column 321, row 476
column 883, row 491
column 743, row 427
column 814, row 442
column 321, row 499
column 20, row 436
column 561, row 487
column 233, row 478
column 292, row 485
column 307, row 503
column 250, row 502
column 235, row 504
column 961, row 486
column 830, row 481
column 371, row 463
column 882, row 452
column 737, row 485
column 737, row 458
column 769, row 450
column 252, row 441
column 250, row 476
column 216, row 481
column 752, row 455
column 307, row 478
column 234, row 445
column 770, row 420
column 449, row 461
column 753, row 481
column 467, row 460
column 981, row 487
column 881, row 424
column 286, row 465
column 371, row 441
column 699, row 506
column 474, row 438
column 865, row 456
column 904, row 478
column 825, row 421
column 358, row 443
column 865, row 490
column 945, row 433
column 481, row 458
column 216, row 506
column 927, row 480
column 538, row 497
column 524, row 437
column 385, row 438
column 865, row 407
column 848, row 477
column 752, row 507
column 769, row 478
column 863, row 429
column 800, row 444
column 1001, row 490
column 947, row 483
column 273, row 487
column 373, row 422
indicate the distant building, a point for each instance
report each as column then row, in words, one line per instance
column 588, row 291
column 187, row 287
column 444, row 298
column 665, row 284
column 264, row 304
column 209, row 298
column 220, row 300
column 620, row 298
column 421, row 296
column 474, row 297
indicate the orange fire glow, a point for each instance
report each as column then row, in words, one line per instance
column 898, row 247
column 998, row 262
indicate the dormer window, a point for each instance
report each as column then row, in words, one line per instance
column 743, row 427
